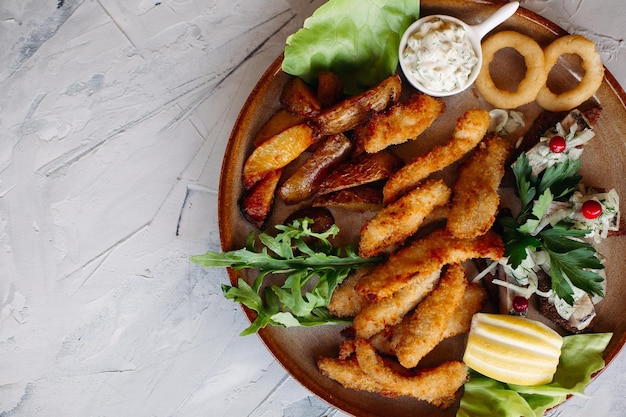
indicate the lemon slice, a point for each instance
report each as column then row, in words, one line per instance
column 512, row 349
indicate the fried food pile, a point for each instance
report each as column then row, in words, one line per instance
column 424, row 227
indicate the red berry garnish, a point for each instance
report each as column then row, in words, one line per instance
column 591, row 209
column 520, row 304
column 557, row 144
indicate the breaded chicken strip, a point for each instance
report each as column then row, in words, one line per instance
column 469, row 130
column 423, row 257
column 476, row 199
column 473, row 299
column 437, row 386
column 399, row 123
column 429, row 320
column 390, row 311
column 345, row 301
column 400, row 219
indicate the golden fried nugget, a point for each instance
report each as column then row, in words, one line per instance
column 468, row 132
column 476, row 199
column 389, row 311
column 399, row 123
column 424, row 256
column 345, row 301
column 429, row 320
column 400, row 219
column 437, row 386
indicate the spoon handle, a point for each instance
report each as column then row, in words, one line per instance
column 495, row 19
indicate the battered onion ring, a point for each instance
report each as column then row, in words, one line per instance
column 588, row 85
column 535, row 77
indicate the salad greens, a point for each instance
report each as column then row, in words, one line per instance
column 301, row 255
column 581, row 357
column 572, row 261
column 356, row 39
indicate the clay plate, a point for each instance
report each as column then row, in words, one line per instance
column 603, row 165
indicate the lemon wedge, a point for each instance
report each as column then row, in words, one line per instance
column 512, row 349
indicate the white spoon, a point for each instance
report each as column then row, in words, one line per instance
column 475, row 33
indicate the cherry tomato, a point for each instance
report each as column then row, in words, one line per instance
column 591, row 209
column 520, row 304
column 557, row 144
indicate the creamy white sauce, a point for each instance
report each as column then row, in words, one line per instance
column 440, row 56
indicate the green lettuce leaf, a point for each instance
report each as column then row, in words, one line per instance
column 581, row 357
column 356, row 39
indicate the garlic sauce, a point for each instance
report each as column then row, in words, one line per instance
column 440, row 56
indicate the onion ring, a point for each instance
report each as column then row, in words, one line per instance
column 534, row 79
column 588, row 85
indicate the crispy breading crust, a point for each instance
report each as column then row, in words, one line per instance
column 474, row 297
column 345, row 301
column 437, row 386
column 390, row 311
column 429, row 321
column 400, row 219
column 400, row 122
column 476, row 189
column 468, row 132
column 423, row 257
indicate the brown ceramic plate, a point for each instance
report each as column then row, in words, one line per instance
column 604, row 163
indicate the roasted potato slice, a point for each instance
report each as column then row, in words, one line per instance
column 305, row 181
column 329, row 88
column 365, row 169
column 257, row 204
column 399, row 123
column 277, row 152
column 280, row 121
column 360, row 199
column 298, row 98
column 353, row 111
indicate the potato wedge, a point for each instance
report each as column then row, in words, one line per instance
column 424, row 256
column 298, row 98
column 359, row 199
column 280, row 121
column 257, row 204
column 468, row 132
column 402, row 218
column 329, row 88
column 476, row 199
column 365, row 169
column 306, row 180
column 429, row 320
column 399, row 123
column 277, row 152
column 353, row 111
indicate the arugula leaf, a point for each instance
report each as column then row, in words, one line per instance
column 356, row 39
column 306, row 258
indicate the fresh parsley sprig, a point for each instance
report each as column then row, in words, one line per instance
column 572, row 260
column 306, row 258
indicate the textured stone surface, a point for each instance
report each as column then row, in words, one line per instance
column 113, row 122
